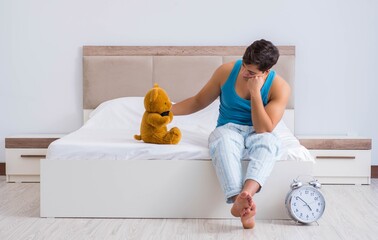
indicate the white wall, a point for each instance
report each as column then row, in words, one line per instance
column 41, row 70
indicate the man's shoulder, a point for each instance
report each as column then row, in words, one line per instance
column 279, row 86
column 222, row 72
column 225, row 69
column 279, row 82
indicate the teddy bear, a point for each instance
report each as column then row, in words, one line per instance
column 157, row 115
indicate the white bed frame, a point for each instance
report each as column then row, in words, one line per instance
column 155, row 188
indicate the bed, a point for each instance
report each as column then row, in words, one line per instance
column 101, row 171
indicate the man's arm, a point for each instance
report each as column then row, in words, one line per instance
column 266, row 118
column 204, row 97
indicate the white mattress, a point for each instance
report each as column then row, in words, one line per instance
column 109, row 134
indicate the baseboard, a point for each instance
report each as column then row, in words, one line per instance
column 2, row 168
column 374, row 170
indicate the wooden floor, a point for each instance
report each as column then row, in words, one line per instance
column 351, row 213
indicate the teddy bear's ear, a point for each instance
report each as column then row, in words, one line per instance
column 154, row 94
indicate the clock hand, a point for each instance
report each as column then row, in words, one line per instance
column 309, row 207
column 301, row 200
column 305, row 203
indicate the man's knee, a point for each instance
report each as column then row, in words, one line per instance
column 266, row 140
column 262, row 138
column 267, row 137
column 224, row 136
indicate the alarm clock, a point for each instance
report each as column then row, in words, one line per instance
column 305, row 203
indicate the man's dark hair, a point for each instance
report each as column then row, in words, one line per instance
column 261, row 53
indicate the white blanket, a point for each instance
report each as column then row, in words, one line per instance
column 109, row 134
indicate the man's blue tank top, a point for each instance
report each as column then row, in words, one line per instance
column 232, row 107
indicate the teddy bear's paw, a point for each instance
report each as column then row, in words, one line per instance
column 175, row 131
column 167, row 120
column 175, row 135
column 138, row 137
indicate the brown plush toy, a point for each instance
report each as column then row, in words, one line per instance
column 153, row 128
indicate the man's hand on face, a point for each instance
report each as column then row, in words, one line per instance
column 255, row 84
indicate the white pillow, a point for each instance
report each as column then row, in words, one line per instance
column 204, row 120
column 120, row 113
column 115, row 104
column 127, row 113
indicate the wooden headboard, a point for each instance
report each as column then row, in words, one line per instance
column 118, row 71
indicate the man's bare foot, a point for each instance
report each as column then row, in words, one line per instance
column 242, row 201
column 248, row 217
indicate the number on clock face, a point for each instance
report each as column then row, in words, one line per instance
column 307, row 204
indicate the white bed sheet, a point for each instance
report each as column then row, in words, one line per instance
column 109, row 134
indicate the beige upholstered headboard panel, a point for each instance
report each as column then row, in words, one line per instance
column 113, row 72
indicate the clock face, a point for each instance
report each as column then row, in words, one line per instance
column 306, row 204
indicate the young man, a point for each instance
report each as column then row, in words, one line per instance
column 253, row 99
